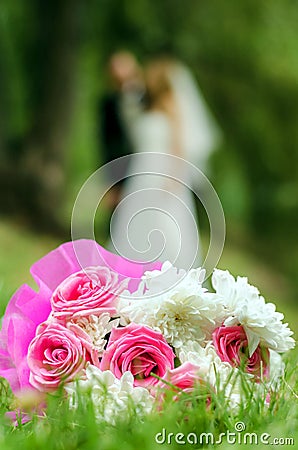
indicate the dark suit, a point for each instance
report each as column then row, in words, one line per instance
column 114, row 138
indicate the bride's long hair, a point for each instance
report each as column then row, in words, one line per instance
column 158, row 83
column 172, row 89
column 160, row 96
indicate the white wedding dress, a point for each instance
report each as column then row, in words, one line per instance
column 156, row 218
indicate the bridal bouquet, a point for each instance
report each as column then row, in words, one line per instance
column 122, row 333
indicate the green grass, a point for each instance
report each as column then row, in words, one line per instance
column 19, row 249
column 62, row 428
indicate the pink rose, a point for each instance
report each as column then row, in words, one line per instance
column 18, row 416
column 184, row 377
column 231, row 345
column 27, row 309
column 93, row 290
column 58, row 354
column 139, row 350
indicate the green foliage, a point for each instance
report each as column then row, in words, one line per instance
column 20, row 248
column 62, row 428
column 244, row 55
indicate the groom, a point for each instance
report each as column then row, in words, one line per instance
column 118, row 108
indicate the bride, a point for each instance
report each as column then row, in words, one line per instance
column 156, row 218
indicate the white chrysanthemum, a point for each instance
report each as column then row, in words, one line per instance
column 273, row 383
column 112, row 398
column 206, row 358
column 174, row 303
column 220, row 375
column 158, row 281
column 97, row 327
column 244, row 306
column 276, row 369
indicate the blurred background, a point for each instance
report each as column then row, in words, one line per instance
column 53, row 75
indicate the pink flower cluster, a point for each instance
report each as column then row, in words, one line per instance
column 52, row 336
column 41, row 343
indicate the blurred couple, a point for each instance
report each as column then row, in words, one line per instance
column 156, row 109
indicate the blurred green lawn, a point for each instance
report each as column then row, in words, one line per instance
column 19, row 249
